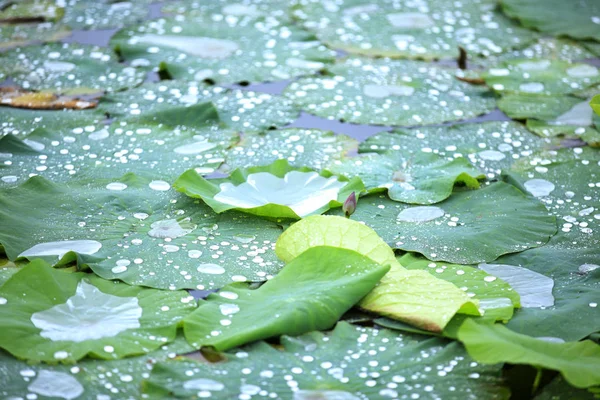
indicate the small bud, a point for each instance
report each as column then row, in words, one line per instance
column 350, row 205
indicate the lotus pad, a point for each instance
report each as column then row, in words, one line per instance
column 243, row 110
column 550, row 116
column 104, row 14
column 579, row 20
column 348, row 363
column 490, row 146
column 565, row 181
column 255, row 9
column 468, row 228
column 137, row 230
column 213, row 49
column 311, row 148
column 579, row 362
column 541, row 76
column 389, row 93
column 310, row 293
column 438, row 300
column 576, row 281
column 424, row 30
column 421, row 178
column 28, row 21
column 88, row 378
column 51, row 315
column 20, row 122
column 68, row 68
column 274, row 191
column 98, row 151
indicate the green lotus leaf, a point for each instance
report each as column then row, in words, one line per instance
column 550, row 116
column 21, row 122
column 349, row 363
column 51, row 315
column 385, row 92
column 101, row 151
column 565, row 181
column 555, row 17
column 105, row 14
column 578, row 362
column 490, row 146
column 395, row 296
column 275, row 191
column 88, row 378
column 226, row 9
column 68, row 69
column 243, row 110
column 27, row 21
column 313, row 148
column 428, row 30
column 310, row 293
column 469, row 227
column 212, row 49
column 421, row 178
column 541, row 77
column 15, row 12
column 6, row 272
column 576, row 275
column 137, row 230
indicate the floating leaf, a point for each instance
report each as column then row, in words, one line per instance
column 27, row 21
column 349, row 363
column 468, row 228
column 490, row 146
column 104, row 14
column 578, row 20
column 541, row 76
column 275, row 191
column 137, row 230
column 575, row 313
column 310, row 293
column 243, row 110
column 212, row 49
column 51, row 315
column 428, row 30
column 20, row 121
column 565, row 181
column 88, row 378
column 225, row 9
column 101, row 151
column 421, row 178
column 311, row 148
column 436, row 300
column 389, row 93
column 579, row 362
column 18, row 98
column 68, row 69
